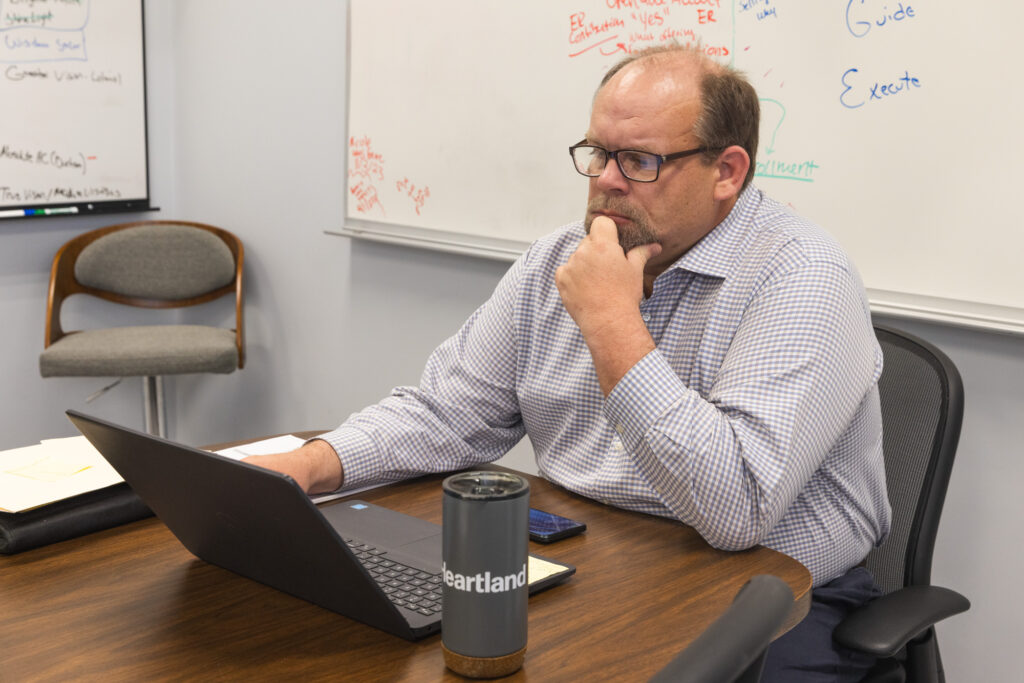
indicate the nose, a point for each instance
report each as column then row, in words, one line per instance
column 611, row 178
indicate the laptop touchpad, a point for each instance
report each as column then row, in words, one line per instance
column 426, row 551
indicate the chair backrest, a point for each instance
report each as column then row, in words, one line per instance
column 149, row 264
column 732, row 648
column 922, row 408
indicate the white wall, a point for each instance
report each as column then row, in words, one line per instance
column 247, row 112
column 331, row 325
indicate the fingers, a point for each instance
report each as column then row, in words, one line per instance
column 639, row 256
column 604, row 228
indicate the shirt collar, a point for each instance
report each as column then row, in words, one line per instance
column 715, row 254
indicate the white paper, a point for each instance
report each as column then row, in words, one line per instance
column 276, row 444
column 52, row 470
column 280, row 444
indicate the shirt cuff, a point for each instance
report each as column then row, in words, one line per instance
column 359, row 461
column 645, row 393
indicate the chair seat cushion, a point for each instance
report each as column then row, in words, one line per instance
column 141, row 351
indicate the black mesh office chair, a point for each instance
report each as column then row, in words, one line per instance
column 732, row 648
column 922, row 408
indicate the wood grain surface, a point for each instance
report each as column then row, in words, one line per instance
column 131, row 604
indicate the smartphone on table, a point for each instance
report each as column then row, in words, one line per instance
column 546, row 527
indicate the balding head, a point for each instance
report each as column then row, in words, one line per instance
column 730, row 113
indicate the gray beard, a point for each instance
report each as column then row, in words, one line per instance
column 630, row 236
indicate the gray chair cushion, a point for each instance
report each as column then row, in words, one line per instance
column 157, row 262
column 141, row 351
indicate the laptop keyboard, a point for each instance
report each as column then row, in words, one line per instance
column 405, row 586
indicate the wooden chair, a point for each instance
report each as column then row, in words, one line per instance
column 147, row 264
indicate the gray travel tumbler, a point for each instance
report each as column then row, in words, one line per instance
column 484, row 589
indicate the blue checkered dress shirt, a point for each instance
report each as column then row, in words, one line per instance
column 756, row 419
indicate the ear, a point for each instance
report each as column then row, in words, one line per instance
column 733, row 164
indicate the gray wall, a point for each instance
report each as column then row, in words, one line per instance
column 247, row 131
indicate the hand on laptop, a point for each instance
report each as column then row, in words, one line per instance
column 315, row 467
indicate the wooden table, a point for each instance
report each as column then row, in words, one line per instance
column 131, row 603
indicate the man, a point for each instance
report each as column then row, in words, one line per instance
column 692, row 350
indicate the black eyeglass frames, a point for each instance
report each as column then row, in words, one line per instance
column 642, row 167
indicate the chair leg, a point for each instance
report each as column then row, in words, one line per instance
column 153, row 397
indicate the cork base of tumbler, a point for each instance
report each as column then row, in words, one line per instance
column 483, row 667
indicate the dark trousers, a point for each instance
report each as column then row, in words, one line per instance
column 807, row 653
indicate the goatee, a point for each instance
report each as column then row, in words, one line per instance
column 635, row 233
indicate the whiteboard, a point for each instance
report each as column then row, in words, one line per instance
column 73, row 114
column 888, row 123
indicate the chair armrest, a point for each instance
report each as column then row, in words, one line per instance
column 885, row 625
column 737, row 639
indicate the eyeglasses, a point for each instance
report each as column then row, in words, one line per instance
column 643, row 167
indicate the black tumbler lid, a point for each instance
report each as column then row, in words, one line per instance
column 485, row 485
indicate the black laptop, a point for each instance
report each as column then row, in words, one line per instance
column 369, row 563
